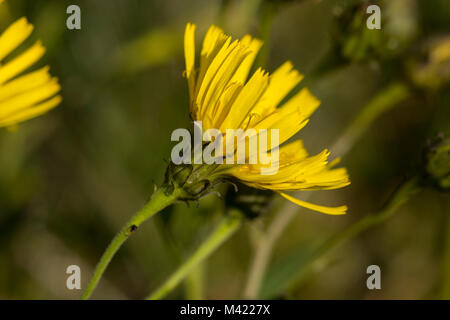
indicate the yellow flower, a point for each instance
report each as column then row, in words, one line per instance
column 24, row 96
column 222, row 97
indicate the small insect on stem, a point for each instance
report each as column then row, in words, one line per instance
column 131, row 229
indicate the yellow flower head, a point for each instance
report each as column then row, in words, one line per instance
column 222, row 97
column 24, row 96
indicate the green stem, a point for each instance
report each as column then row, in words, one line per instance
column 223, row 11
column 195, row 283
column 388, row 97
column 401, row 196
column 227, row 227
column 384, row 101
column 159, row 201
column 265, row 23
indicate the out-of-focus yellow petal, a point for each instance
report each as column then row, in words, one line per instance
column 12, row 37
column 30, row 112
column 21, row 63
column 24, row 97
column 27, row 82
column 327, row 210
column 28, row 98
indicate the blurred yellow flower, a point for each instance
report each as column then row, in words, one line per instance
column 222, row 97
column 24, row 96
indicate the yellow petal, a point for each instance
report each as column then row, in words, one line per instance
column 242, row 72
column 222, row 98
column 327, row 210
column 12, row 37
column 212, row 43
column 214, row 38
column 189, row 54
column 21, row 63
column 288, row 123
column 189, row 47
column 305, row 101
column 281, row 82
column 28, row 98
column 291, row 117
column 224, row 105
column 288, row 175
column 30, row 112
column 212, row 69
column 221, row 79
column 248, row 97
column 292, row 152
column 24, row 83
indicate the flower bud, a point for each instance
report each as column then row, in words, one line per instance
column 196, row 181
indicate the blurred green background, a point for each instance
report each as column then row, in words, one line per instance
column 71, row 178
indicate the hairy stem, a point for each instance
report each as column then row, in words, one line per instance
column 159, row 201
